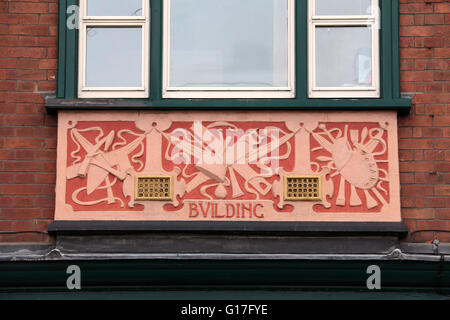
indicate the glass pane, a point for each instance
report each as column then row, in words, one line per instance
column 343, row 7
column 114, row 7
column 343, row 56
column 114, row 57
column 229, row 43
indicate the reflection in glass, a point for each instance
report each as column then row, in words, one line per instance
column 114, row 57
column 342, row 7
column 232, row 43
column 343, row 57
column 114, row 7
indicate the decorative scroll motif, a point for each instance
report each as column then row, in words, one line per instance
column 355, row 156
column 228, row 169
column 103, row 160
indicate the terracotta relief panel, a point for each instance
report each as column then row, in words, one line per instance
column 228, row 166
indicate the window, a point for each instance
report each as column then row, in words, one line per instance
column 256, row 54
column 113, row 49
column 229, row 49
column 343, row 49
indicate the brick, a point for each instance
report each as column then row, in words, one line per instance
column 416, row 31
column 434, row 19
column 42, row 225
column 24, row 97
column 24, row 202
column 14, row 143
column 406, row 178
column 7, row 155
column 7, row 85
column 47, row 213
column 23, row 7
column 9, row 18
column 25, row 52
column 29, row 19
column 20, row 74
column 20, row 213
column 46, row 178
column 22, row 166
column 26, row 86
column 415, row 143
column 46, row 86
column 441, row 121
column 28, row 108
column 48, row 64
column 25, row 63
column 417, row 190
column 22, row 225
column 24, row 120
column 25, row 132
column 434, row 87
column 442, row 190
column 416, row 8
column 441, row 75
column 417, row 76
column 413, row 213
column 28, row 41
column 45, row 202
column 424, row 98
column 432, row 225
column 436, row 202
column 5, row 225
column 442, row 7
column 442, row 144
column 51, row 19
column 413, row 120
column 419, row 178
column 434, row 155
column 443, row 214
column 410, row 53
column 434, row 42
column 442, row 53
column 432, row 132
column 407, row 202
column 45, row 154
column 435, row 178
column 416, row 166
column 8, row 63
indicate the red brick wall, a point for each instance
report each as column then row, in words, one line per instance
column 28, row 52
column 28, row 135
column 425, row 133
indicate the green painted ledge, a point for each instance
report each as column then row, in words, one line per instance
column 226, row 279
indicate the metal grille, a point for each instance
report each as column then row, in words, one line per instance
column 306, row 188
column 154, row 188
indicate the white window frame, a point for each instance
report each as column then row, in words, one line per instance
column 228, row 92
column 372, row 20
column 86, row 21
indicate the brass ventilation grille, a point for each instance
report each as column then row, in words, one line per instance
column 302, row 188
column 153, row 188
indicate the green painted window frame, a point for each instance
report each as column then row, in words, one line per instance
column 390, row 97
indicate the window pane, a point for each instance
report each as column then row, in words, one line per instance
column 114, row 7
column 342, row 7
column 229, row 43
column 343, row 56
column 113, row 57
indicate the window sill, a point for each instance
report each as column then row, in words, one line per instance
column 401, row 105
column 397, row 229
